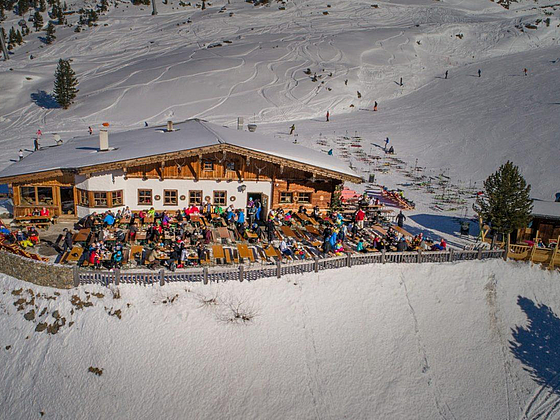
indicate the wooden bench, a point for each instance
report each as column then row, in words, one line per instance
column 218, row 253
column 245, row 253
column 74, row 255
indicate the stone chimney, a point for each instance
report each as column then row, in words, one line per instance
column 103, row 140
column 169, row 126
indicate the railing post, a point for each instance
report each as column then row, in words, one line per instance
column 75, row 276
column 451, row 255
column 316, row 264
column 419, row 256
column 162, row 277
column 117, row 277
column 240, row 273
column 278, row 269
column 507, row 248
column 205, row 275
column 479, row 253
column 383, row 255
column 348, row 259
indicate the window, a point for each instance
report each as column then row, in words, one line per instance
column 83, row 198
column 117, row 198
column 286, row 197
column 195, row 198
column 144, row 197
column 45, row 196
column 100, row 199
column 220, row 198
column 207, row 165
column 169, row 197
column 304, row 197
column 230, row 166
column 27, row 195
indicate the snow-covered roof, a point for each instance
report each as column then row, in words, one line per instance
column 549, row 209
column 83, row 152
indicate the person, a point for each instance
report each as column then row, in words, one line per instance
column 328, row 115
column 446, row 73
column 109, row 219
column 360, row 217
column 360, row 246
column 145, row 123
column 94, row 258
column 386, row 143
column 258, row 210
column 33, row 235
column 401, row 82
column 479, row 72
column 36, row 144
column 68, row 240
column 39, row 133
column 44, row 212
column 285, row 250
column 117, row 258
column 330, row 152
column 90, row 130
column 391, row 150
column 292, row 129
column 270, row 230
column 20, row 154
column 525, row 71
column 400, row 219
column 375, row 106
column 402, row 245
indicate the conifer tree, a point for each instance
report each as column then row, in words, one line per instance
column 50, row 33
column 37, row 21
column 65, row 83
column 42, row 6
column 19, row 37
column 12, row 37
column 23, row 7
column 506, row 204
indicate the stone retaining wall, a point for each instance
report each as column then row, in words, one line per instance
column 36, row 272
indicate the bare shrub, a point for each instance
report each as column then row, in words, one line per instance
column 237, row 311
column 207, row 300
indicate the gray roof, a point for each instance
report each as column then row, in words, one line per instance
column 80, row 152
column 548, row 209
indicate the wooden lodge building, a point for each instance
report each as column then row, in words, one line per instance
column 172, row 167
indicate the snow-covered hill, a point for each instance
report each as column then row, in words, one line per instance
column 476, row 340
column 134, row 67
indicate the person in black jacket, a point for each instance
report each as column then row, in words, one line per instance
column 400, row 219
column 68, row 240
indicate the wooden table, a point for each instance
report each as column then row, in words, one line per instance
column 82, row 235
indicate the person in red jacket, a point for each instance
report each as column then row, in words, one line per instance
column 360, row 217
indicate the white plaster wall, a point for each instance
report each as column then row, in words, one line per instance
column 114, row 180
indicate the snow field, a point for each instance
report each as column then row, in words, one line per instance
column 383, row 341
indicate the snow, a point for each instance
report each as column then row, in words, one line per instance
column 134, row 144
column 546, row 208
column 392, row 341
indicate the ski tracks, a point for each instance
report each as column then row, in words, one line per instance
column 441, row 406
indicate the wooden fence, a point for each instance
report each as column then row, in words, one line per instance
column 241, row 273
column 549, row 257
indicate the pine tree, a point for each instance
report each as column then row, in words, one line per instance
column 2, row 13
column 60, row 19
column 50, row 33
column 37, row 21
column 42, row 6
column 336, row 201
column 12, row 37
column 23, row 7
column 506, row 204
column 19, row 38
column 65, row 84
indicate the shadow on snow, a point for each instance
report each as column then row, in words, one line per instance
column 44, row 100
column 537, row 345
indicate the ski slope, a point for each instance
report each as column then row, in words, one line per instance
column 135, row 68
column 433, row 341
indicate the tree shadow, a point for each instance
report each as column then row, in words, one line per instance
column 537, row 345
column 44, row 100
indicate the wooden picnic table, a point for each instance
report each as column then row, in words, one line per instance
column 287, row 231
column 82, row 235
column 402, row 231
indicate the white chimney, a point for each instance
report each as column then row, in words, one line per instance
column 169, row 125
column 103, row 140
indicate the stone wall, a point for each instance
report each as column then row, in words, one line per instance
column 36, row 272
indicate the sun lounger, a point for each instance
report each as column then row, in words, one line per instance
column 245, row 253
column 218, row 253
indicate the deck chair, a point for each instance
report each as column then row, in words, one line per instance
column 205, row 259
column 287, row 231
column 218, row 253
column 271, row 253
column 245, row 253
column 231, row 256
column 313, row 230
column 402, row 231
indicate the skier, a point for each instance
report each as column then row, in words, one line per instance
column 479, row 72
column 446, row 73
column 292, row 129
column 39, row 133
column 145, row 123
column 90, row 130
column 401, row 82
column 375, row 106
column 20, row 154
column 386, row 143
column 400, row 219
column 346, row 82
column 359, row 94
column 36, row 144
column 328, row 115
column 525, row 71
column 330, row 152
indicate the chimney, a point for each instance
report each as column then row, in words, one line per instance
column 103, row 140
column 169, row 126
